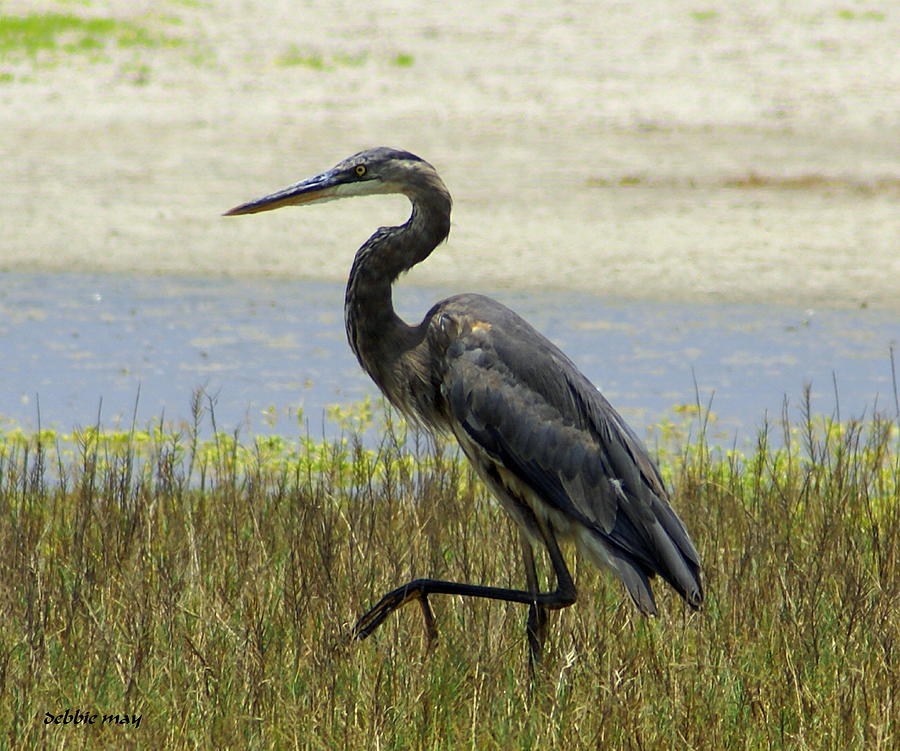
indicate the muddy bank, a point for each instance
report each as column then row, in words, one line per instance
column 654, row 152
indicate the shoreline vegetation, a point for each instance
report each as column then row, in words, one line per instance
column 209, row 586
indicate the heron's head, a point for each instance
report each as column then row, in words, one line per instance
column 381, row 170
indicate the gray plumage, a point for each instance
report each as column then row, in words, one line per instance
column 545, row 441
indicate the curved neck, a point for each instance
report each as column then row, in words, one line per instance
column 378, row 336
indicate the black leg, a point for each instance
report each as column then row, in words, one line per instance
column 536, row 626
column 419, row 589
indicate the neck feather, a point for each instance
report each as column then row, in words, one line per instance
column 379, row 338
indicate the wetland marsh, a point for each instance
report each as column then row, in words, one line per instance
column 675, row 194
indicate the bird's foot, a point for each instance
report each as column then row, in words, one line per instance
column 395, row 600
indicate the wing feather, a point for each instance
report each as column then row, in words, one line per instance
column 517, row 398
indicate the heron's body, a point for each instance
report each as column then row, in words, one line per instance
column 545, row 441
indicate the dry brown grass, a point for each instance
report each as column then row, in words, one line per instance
column 209, row 587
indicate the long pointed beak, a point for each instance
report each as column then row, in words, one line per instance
column 319, row 188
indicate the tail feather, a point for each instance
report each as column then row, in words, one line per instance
column 635, row 561
column 637, row 584
column 676, row 568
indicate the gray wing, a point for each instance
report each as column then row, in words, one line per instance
column 525, row 405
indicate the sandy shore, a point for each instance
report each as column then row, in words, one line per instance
column 652, row 151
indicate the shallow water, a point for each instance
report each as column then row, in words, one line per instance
column 78, row 345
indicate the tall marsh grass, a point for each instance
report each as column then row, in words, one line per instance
column 208, row 586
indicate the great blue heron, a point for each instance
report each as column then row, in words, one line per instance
column 561, row 460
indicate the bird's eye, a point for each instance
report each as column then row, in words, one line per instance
column 360, row 170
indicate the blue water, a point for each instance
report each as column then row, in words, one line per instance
column 79, row 346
